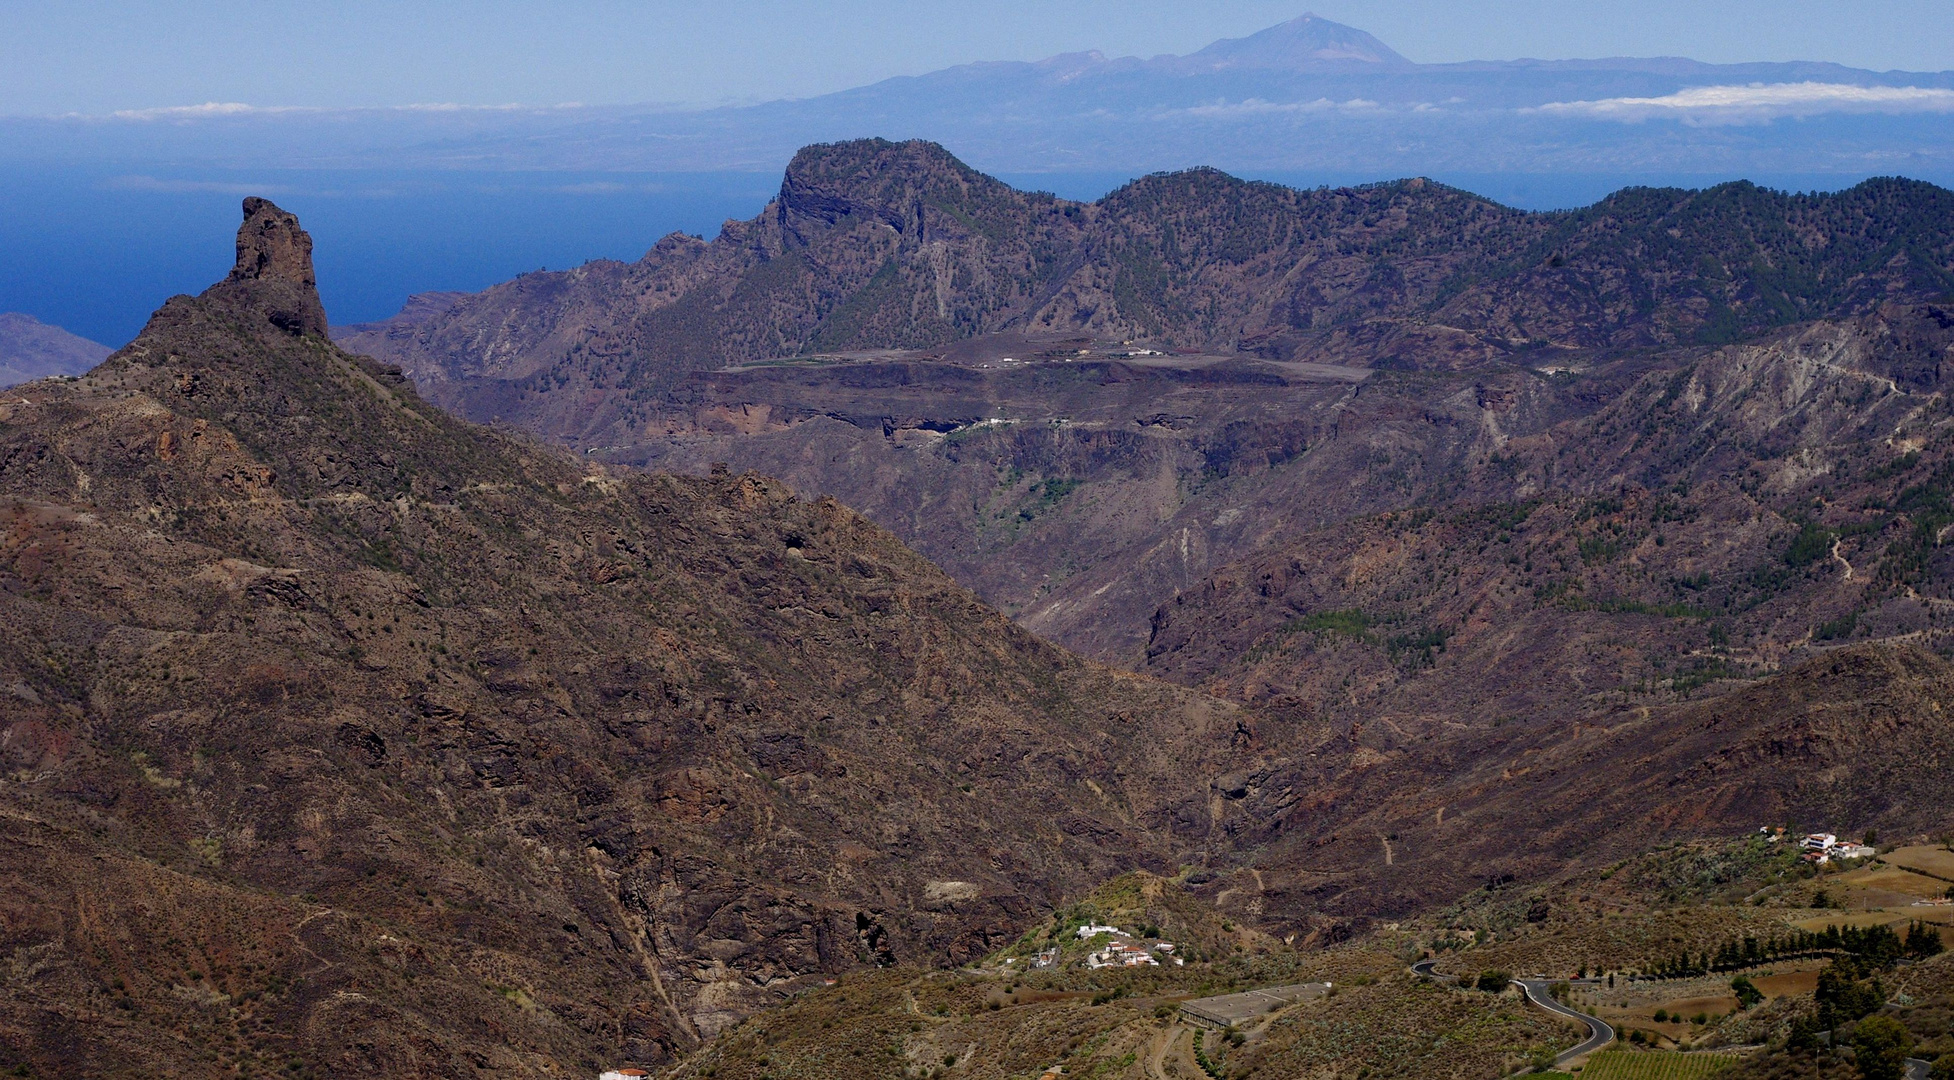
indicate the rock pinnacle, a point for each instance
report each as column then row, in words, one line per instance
column 274, row 265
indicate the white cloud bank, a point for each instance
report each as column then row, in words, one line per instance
column 1250, row 107
column 1760, row 103
column 210, row 110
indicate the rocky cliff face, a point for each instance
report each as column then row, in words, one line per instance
column 894, row 244
column 274, row 274
column 344, row 733
column 875, row 245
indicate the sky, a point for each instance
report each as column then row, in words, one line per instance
column 98, row 56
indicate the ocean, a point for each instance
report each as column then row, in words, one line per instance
column 96, row 250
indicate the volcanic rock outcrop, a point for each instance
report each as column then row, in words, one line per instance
column 344, row 736
column 274, row 270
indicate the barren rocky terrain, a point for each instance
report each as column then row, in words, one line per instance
column 1083, row 410
column 343, row 735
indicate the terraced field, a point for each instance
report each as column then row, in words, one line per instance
column 1934, row 862
column 1655, row 1065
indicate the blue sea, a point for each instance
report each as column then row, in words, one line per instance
column 96, row 249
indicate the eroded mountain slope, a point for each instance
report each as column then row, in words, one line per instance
column 342, row 732
column 1629, row 624
column 1081, row 410
column 1719, row 517
column 878, row 245
column 1395, row 813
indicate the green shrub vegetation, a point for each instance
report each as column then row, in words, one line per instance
column 1652, row 1065
column 1349, row 624
column 1748, row 995
column 1880, row 1046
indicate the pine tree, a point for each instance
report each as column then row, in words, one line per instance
column 1923, row 940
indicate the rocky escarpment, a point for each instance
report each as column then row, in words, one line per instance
column 1082, row 410
column 876, row 245
column 342, row 736
column 900, row 245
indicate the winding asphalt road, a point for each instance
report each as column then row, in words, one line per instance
column 1599, row 1033
column 1538, row 991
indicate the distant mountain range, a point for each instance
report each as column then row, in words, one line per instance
column 31, row 349
column 1308, row 94
column 1082, row 410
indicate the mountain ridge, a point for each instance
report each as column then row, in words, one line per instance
column 815, row 200
column 1405, row 321
column 366, row 739
column 31, row 349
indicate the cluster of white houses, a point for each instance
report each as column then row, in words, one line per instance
column 1822, row 848
column 1121, row 950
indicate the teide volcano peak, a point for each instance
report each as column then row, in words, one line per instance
column 1309, row 41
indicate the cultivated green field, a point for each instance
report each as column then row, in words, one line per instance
column 1653, row 1065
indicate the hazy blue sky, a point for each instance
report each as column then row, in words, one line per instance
column 99, row 55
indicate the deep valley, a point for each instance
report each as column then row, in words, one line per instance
column 765, row 658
